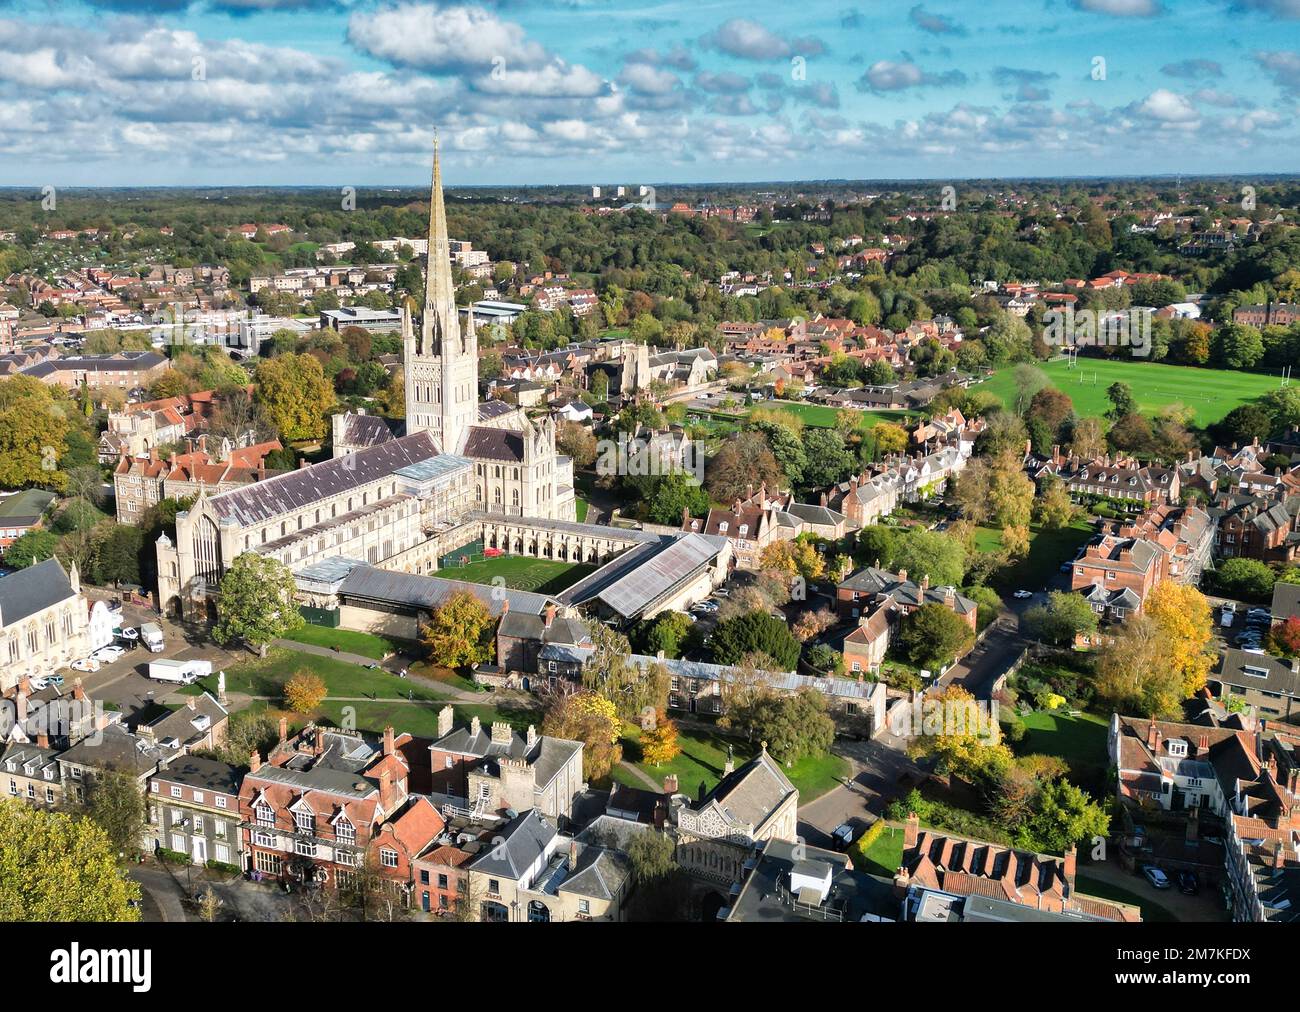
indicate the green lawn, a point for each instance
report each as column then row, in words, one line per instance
column 545, row 576
column 421, row 720
column 823, row 415
column 704, row 754
column 1080, row 741
column 266, row 677
column 1210, row 393
column 1151, row 911
column 580, row 509
column 884, row 856
column 1047, row 550
column 365, row 644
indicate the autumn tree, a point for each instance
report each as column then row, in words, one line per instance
column 659, row 745
column 576, row 441
column 294, row 395
column 57, row 867
column 960, row 740
column 1089, row 439
column 256, row 603
column 591, row 719
column 33, row 427
column 1053, row 507
column 1285, row 637
column 1182, row 616
column 740, row 463
column 304, row 691
column 1134, row 673
column 459, row 631
column 794, row 725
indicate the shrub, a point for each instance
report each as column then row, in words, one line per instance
column 304, row 691
column 858, row 851
column 171, row 856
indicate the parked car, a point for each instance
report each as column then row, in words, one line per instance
column 722, row 592
column 1188, row 883
column 56, row 681
column 85, row 664
column 1156, row 877
column 108, row 654
column 1263, row 613
column 842, row 836
column 39, row 682
column 1020, row 595
column 130, row 634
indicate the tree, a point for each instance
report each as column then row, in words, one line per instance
column 829, row 459
column 304, row 691
column 659, row 745
column 1062, row 815
column 609, row 672
column 755, row 632
column 256, row 603
column 934, row 635
column 1284, row 639
column 662, row 891
column 55, row 867
column 1120, row 396
column 247, row 731
column 1089, row 440
column 889, row 438
column 459, row 631
column 1182, row 618
column 935, row 554
column 1064, row 617
column 793, row 725
column 1248, row 579
column 1054, row 508
column 741, row 462
column 961, row 742
column 1245, row 423
column 33, row 429
column 668, row 633
column 294, row 395
column 115, row 803
column 117, row 555
column 1010, row 490
column 591, row 719
column 576, row 441
column 1134, row 674
column 33, row 547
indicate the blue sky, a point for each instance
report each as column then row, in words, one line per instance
column 348, row 92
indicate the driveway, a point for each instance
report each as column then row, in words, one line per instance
column 881, row 772
column 979, row 669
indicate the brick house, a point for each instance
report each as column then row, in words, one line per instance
column 193, row 808
column 1113, row 478
column 311, row 810
column 400, row 841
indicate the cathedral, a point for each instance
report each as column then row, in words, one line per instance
column 394, row 495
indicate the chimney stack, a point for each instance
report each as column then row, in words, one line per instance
column 548, row 616
column 501, row 733
column 319, row 741
column 1071, row 864
column 475, row 727
column 42, row 740
column 1153, row 735
column 284, row 729
column 911, row 831
column 531, row 738
column 445, row 718
column 254, row 761
column 390, row 745
column 670, row 783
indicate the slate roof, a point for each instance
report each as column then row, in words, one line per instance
column 389, row 587
column 27, row 507
column 523, row 840
column 493, row 409
column 370, row 430
column 752, row 793
column 266, row 500
column 32, row 590
column 873, row 581
column 495, row 444
column 1286, row 601
column 205, row 774
column 1257, row 671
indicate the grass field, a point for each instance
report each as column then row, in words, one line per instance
column 266, row 677
column 704, row 754
column 1080, row 741
column 545, row 576
column 365, row 644
column 885, row 855
column 823, row 415
column 1047, row 550
column 1210, row 393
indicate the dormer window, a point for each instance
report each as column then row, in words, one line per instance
column 265, row 814
column 744, row 529
column 345, row 831
column 722, row 527
column 1177, row 748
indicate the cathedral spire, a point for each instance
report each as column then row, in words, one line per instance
column 440, row 326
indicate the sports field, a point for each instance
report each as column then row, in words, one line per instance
column 547, row 576
column 1210, row 393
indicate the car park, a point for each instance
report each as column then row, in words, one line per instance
column 1156, row 877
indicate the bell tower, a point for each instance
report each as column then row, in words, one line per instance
column 441, row 360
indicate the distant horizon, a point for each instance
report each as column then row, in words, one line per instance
column 316, row 93
column 631, row 197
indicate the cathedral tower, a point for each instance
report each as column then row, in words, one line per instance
column 441, row 361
